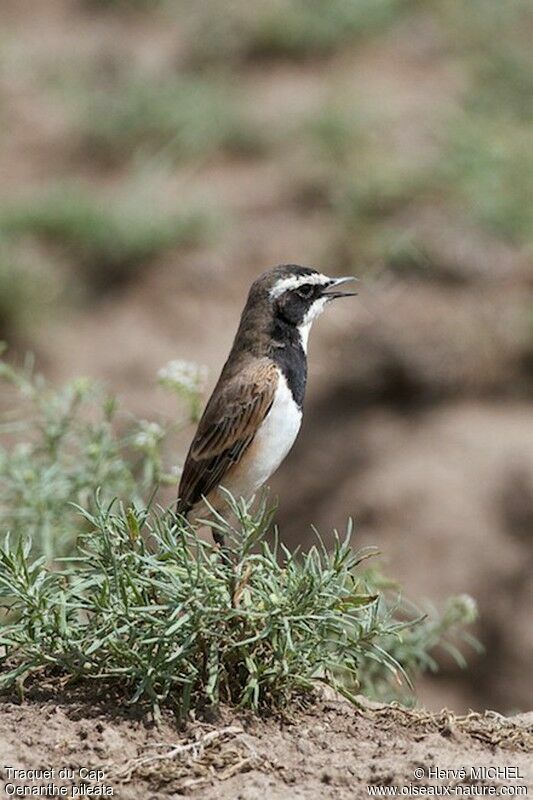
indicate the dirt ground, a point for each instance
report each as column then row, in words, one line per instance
column 331, row 750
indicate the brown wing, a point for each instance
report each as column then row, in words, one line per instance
column 229, row 423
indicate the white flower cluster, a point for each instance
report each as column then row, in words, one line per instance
column 183, row 377
column 148, row 436
column 462, row 608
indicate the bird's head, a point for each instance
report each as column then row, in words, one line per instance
column 296, row 295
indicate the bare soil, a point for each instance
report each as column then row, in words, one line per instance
column 329, row 750
column 419, row 421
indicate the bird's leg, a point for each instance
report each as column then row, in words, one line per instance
column 218, row 538
column 226, row 559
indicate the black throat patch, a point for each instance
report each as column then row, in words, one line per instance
column 289, row 355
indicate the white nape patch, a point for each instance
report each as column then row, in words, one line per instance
column 316, row 309
column 272, row 442
column 287, row 284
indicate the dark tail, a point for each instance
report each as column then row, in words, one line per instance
column 182, row 508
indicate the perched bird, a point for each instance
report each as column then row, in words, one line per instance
column 254, row 413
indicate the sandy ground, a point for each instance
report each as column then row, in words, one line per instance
column 330, row 750
column 418, row 420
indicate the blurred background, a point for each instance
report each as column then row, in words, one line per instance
column 156, row 156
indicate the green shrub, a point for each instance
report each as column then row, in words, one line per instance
column 420, row 646
column 149, row 606
column 57, row 446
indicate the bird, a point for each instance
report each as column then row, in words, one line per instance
column 255, row 411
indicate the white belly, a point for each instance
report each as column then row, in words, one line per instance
column 271, row 444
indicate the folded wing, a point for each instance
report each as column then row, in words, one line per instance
column 226, row 430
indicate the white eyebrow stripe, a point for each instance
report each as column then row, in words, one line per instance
column 287, row 284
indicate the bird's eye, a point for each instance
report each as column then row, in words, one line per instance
column 305, row 291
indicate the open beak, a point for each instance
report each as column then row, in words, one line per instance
column 338, row 282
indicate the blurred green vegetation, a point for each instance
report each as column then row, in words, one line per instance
column 288, row 29
column 27, row 292
column 482, row 167
column 109, row 242
column 488, row 171
column 188, row 118
column 120, row 5
column 219, row 91
column 487, row 148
